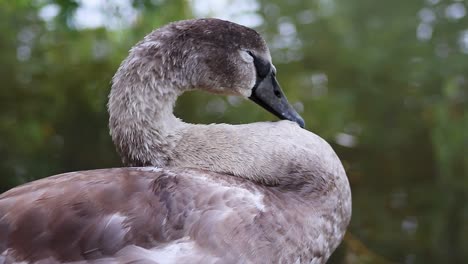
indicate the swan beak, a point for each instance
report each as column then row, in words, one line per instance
column 268, row 94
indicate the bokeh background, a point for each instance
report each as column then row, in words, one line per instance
column 385, row 82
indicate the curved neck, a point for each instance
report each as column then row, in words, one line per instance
column 146, row 132
column 141, row 121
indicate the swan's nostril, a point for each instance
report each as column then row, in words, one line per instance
column 277, row 93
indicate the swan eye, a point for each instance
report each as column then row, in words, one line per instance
column 262, row 66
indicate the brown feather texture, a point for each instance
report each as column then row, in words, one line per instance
column 267, row 192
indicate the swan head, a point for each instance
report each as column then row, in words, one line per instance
column 216, row 56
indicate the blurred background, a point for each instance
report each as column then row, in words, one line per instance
column 385, row 82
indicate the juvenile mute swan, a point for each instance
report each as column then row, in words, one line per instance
column 267, row 192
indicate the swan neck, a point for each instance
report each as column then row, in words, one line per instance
column 141, row 120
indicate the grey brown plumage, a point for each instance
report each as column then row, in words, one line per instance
column 130, row 211
column 267, row 192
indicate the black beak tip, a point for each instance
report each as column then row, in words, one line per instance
column 297, row 119
column 300, row 122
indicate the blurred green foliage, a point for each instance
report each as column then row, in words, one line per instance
column 385, row 82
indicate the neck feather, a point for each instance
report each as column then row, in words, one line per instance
column 142, row 123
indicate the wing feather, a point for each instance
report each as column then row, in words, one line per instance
column 130, row 214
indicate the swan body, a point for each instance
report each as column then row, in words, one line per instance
column 268, row 192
